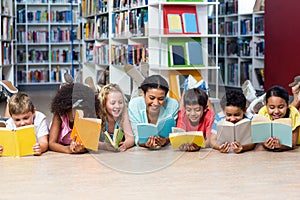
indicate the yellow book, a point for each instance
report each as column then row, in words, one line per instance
column 175, row 25
column 179, row 137
column 18, row 142
column 86, row 130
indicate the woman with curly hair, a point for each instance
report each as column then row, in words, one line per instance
column 114, row 115
column 69, row 97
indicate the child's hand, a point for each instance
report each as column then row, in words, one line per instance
column 76, row 147
column 276, row 143
column 269, row 143
column 160, row 141
column 1, row 150
column 189, row 147
column 224, row 148
column 151, row 143
column 237, row 147
column 122, row 146
column 37, row 149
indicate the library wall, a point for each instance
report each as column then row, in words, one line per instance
column 282, row 30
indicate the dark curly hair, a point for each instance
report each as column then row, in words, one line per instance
column 75, row 96
column 234, row 98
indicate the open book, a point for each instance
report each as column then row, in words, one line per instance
column 18, row 142
column 179, row 137
column 230, row 132
column 163, row 128
column 115, row 139
column 263, row 128
column 86, row 130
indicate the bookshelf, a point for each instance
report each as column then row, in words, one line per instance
column 241, row 43
column 137, row 34
column 47, row 44
column 7, row 38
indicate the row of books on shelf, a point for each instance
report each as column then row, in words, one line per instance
column 132, row 54
column 46, row 56
column 130, row 23
column 228, row 7
column 92, row 7
column 43, row 16
column 98, row 30
column 259, row 25
column 236, row 75
column 98, row 54
column 6, row 53
column 43, row 36
column 44, row 75
column 121, row 4
column 7, row 28
column 46, row 1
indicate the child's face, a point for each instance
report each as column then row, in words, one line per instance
column 154, row 99
column 277, row 107
column 23, row 119
column 115, row 104
column 194, row 113
column 233, row 114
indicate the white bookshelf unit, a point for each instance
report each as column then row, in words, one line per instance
column 7, row 38
column 46, row 45
column 241, row 43
column 136, row 34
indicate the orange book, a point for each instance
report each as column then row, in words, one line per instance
column 86, row 130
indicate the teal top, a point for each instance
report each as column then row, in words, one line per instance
column 138, row 114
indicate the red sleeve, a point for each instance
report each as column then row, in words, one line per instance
column 180, row 123
column 209, row 120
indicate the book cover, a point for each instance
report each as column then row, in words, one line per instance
column 18, row 142
column 177, row 55
column 163, row 128
column 115, row 139
column 86, row 130
column 174, row 23
column 194, row 53
column 263, row 128
column 190, row 23
column 179, row 137
column 230, row 132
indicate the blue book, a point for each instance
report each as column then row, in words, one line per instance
column 177, row 55
column 263, row 128
column 163, row 128
column 194, row 53
column 189, row 23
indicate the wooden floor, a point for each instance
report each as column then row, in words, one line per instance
column 142, row 173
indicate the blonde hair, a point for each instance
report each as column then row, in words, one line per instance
column 20, row 103
column 103, row 94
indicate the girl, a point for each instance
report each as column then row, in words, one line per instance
column 277, row 106
column 114, row 115
column 195, row 116
column 151, row 107
column 69, row 97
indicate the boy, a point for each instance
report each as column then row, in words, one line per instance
column 233, row 105
column 23, row 113
column 195, row 115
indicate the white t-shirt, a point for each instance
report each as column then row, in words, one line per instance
column 40, row 124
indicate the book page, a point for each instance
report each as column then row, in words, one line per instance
column 7, row 140
column 260, row 128
column 174, row 22
column 26, row 138
column 177, row 129
column 243, row 132
column 225, row 132
column 282, row 130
